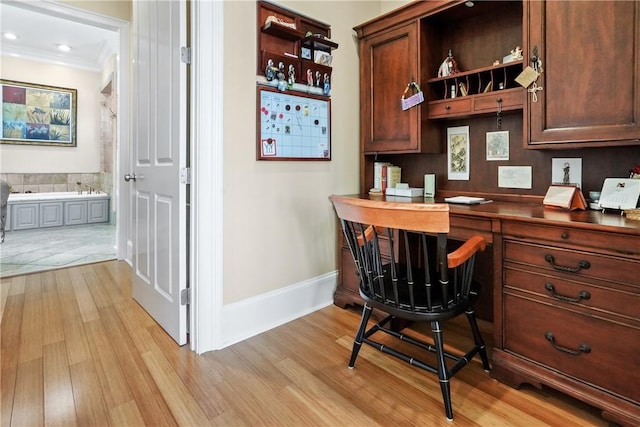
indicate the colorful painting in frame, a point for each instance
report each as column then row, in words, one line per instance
column 35, row 114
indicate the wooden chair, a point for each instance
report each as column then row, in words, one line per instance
column 391, row 244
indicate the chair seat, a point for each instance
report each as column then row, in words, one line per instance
column 420, row 310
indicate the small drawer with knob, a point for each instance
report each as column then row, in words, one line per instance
column 626, row 245
column 449, row 107
column 571, row 263
column 582, row 346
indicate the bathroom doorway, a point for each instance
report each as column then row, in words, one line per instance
column 26, row 251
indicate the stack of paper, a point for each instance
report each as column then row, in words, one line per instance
column 466, row 200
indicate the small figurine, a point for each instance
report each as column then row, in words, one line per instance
column 448, row 66
column 270, row 71
column 517, row 53
column 327, row 85
column 292, row 76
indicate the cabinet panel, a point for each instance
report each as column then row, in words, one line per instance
column 97, row 211
column 75, row 213
column 25, row 216
column 51, row 214
column 611, row 345
column 591, row 96
column 388, row 62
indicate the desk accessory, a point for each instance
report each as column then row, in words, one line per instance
column 403, row 190
column 465, row 200
column 619, row 193
column 565, row 196
column 430, row 185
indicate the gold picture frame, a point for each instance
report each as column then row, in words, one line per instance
column 34, row 114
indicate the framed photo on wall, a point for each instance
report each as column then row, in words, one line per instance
column 458, row 153
column 34, row 114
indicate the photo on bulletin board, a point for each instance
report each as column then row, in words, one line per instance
column 292, row 126
column 458, row 153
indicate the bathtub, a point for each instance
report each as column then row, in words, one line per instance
column 41, row 210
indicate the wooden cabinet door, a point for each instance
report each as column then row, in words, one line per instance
column 590, row 93
column 388, row 62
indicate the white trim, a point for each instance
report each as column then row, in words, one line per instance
column 206, row 260
column 261, row 313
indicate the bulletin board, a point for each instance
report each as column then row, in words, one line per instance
column 292, row 127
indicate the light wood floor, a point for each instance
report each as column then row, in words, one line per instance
column 77, row 350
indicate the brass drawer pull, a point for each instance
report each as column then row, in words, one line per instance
column 552, row 290
column 551, row 260
column 582, row 348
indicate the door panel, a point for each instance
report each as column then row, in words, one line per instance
column 160, row 138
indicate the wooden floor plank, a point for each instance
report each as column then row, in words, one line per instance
column 183, row 406
column 9, row 344
column 90, row 406
column 59, row 406
column 31, row 333
column 75, row 337
column 84, row 299
column 28, row 404
column 126, row 414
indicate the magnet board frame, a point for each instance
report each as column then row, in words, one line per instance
column 292, row 126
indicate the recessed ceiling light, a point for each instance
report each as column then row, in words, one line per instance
column 10, row 36
column 64, row 47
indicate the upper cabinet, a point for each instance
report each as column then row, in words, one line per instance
column 590, row 84
column 388, row 63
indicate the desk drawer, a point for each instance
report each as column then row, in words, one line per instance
column 613, row 347
column 619, row 243
column 571, row 293
column 449, row 107
column 463, row 227
column 594, row 266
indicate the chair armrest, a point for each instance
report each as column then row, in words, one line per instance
column 464, row 252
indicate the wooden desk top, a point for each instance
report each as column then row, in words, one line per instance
column 611, row 222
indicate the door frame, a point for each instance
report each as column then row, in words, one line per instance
column 206, row 214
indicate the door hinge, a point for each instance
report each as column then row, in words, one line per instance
column 185, row 296
column 185, row 175
column 185, row 55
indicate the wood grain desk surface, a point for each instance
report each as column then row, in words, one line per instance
column 610, row 221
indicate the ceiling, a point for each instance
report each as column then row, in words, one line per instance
column 39, row 34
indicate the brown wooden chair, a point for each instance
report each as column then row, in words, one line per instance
column 406, row 272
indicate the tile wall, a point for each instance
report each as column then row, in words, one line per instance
column 57, row 182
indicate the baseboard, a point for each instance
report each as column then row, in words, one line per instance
column 258, row 314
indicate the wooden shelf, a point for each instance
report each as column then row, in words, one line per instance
column 282, row 31
column 319, row 43
column 477, row 71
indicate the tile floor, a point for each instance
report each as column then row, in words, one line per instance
column 27, row 251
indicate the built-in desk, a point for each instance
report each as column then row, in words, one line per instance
column 565, row 297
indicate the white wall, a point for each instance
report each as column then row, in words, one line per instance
column 85, row 157
column 280, row 228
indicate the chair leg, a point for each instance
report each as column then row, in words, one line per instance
column 443, row 372
column 357, row 343
column 477, row 339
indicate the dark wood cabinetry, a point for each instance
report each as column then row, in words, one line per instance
column 590, row 93
column 546, row 331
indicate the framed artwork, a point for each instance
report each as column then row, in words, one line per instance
column 458, row 153
column 35, row 114
column 292, row 126
column 498, row 145
column 566, row 171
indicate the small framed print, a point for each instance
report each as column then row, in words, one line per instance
column 498, row 145
column 458, row 153
column 305, row 53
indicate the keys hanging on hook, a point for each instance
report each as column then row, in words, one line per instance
column 499, row 114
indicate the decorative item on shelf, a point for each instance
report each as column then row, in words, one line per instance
column 280, row 21
column 530, row 75
column 282, row 83
column 323, row 58
column 448, row 66
column 292, row 76
column 635, row 172
column 327, row 85
column 414, row 99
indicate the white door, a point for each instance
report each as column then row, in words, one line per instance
column 158, row 199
